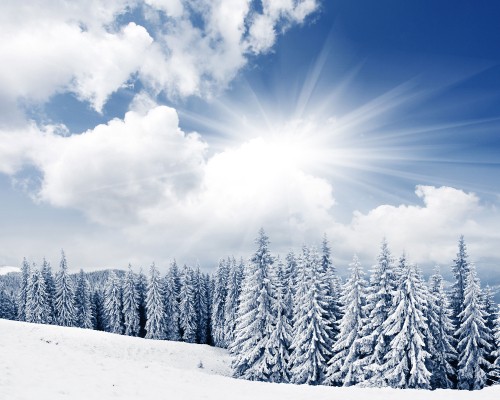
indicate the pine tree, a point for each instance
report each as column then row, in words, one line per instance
column 218, row 304
column 23, row 291
column 155, row 309
column 472, row 336
column 99, row 321
column 37, row 305
column 175, row 286
column 130, row 298
column 255, row 317
column 202, row 301
column 209, row 283
column 341, row 369
column 460, row 269
column 373, row 344
column 333, row 288
column 442, row 352
column 281, row 334
column 176, row 279
column 83, row 301
column 142, row 286
column 495, row 371
column 50, row 287
column 64, row 302
column 113, row 304
column 312, row 337
column 232, row 299
column 187, row 312
column 406, row 325
column 400, row 268
column 8, row 308
column 290, row 284
column 171, row 307
column 490, row 309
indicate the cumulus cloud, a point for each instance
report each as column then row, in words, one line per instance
column 244, row 188
column 56, row 47
column 112, row 171
column 156, row 184
column 164, row 196
column 148, row 178
column 428, row 232
column 83, row 47
column 189, row 59
column 264, row 27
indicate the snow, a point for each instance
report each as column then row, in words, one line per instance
column 6, row 269
column 52, row 362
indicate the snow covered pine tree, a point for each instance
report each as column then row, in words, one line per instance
column 171, row 307
column 113, row 304
column 406, row 326
column 156, row 327
column 281, row 335
column 188, row 320
column 218, row 304
column 50, row 287
column 312, row 335
column 373, row 344
column 23, row 291
column 346, row 352
column 232, row 299
column 37, row 304
column 83, row 302
column 64, row 301
column 251, row 358
column 130, row 301
column 472, row 336
column 440, row 336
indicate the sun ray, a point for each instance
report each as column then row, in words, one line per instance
column 368, row 147
column 313, row 77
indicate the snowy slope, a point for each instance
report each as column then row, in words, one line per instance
column 49, row 362
column 4, row 270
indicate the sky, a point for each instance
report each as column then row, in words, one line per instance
column 136, row 131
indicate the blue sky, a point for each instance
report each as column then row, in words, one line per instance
column 154, row 129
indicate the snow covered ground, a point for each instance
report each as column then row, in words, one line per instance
column 50, row 362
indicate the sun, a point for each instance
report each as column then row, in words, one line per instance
column 297, row 144
column 290, row 148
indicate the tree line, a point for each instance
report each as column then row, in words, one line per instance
column 291, row 320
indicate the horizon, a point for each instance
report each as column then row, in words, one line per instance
column 488, row 277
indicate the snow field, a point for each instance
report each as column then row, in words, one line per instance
column 45, row 362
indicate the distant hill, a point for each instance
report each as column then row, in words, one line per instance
column 8, row 269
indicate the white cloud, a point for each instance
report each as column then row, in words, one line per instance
column 428, row 232
column 113, row 170
column 155, row 187
column 109, row 60
column 243, row 189
column 262, row 34
column 173, row 8
column 59, row 46
column 146, row 177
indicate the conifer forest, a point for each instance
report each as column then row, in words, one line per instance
column 291, row 319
